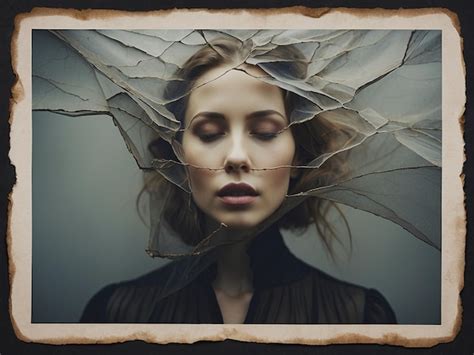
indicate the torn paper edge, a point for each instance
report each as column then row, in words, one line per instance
column 19, row 232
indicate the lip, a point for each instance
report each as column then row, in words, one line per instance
column 237, row 194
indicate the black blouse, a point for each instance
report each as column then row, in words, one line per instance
column 286, row 291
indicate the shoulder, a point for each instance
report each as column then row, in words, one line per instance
column 339, row 301
column 123, row 301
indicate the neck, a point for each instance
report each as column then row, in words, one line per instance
column 234, row 276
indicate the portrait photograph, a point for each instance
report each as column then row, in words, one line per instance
column 195, row 175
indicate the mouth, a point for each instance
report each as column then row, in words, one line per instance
column 240, row 194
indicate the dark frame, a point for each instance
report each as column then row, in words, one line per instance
column 9, row 344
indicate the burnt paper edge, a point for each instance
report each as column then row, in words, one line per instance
column 228, row 332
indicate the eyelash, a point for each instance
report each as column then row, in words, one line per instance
column 265, row 136
column 211, row 137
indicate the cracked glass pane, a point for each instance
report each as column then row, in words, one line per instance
column 363, row 108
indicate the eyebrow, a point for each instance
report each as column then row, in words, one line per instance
column 208, row 114
column 220, row 116
column 214, row 116
column 265, row 113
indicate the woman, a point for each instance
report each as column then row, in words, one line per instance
column 249, row 161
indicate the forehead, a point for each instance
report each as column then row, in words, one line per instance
column 222, row 70
column 234, row 90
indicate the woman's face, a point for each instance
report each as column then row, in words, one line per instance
column 233, row 126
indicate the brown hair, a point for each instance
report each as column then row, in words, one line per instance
column 180, row 211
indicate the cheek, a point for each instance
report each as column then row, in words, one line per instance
column 202, row 194
column 276, row 183
column 200, row 187
column 196, row 155
column 277, row 180
column 278, row 154
column 201, row 155
column 199, row 180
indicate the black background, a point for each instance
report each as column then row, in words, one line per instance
column 10, row 345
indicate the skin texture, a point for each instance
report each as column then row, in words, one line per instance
column 235, row 126
column 232, row 125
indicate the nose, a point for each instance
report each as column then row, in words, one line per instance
column 237, row 159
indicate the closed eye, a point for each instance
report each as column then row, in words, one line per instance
column 209, row 127
column 210, row 137
column 265, row 125
column 264, row 136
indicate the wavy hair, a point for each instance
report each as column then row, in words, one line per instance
column 180, row 211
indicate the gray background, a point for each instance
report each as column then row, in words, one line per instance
column 87, row 233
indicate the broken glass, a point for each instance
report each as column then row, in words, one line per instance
column 378, row 92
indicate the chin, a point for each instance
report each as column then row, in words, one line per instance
column 239, row 225
column 242, row 221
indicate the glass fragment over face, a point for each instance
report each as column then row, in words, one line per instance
column 237, row 149
column 362, row 120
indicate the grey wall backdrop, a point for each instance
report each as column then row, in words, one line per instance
column 87, row 233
